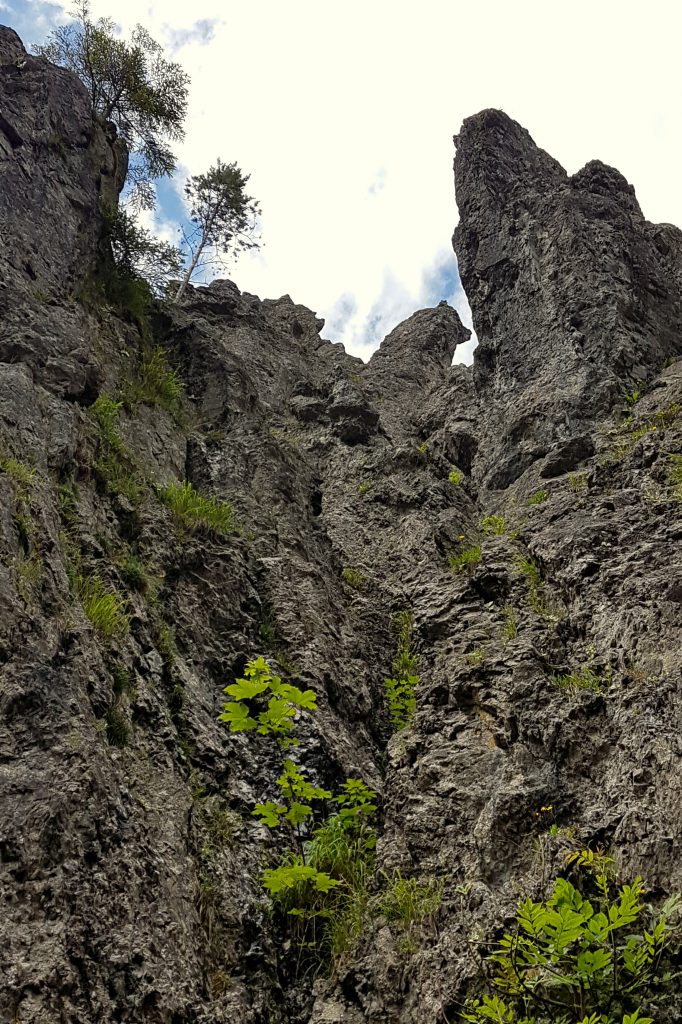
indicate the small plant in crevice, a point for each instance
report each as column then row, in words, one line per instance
column 537, row 498
column 400, row 688
column 493, row 526
column 675, row 474
column 577, row 482
column 28, row 564
column 104, row 606
column 632, row 397
column 510, row 625
column 583, row 678
column 157, row 382
column 140, row 576
column 455, row 476
column 537, row 591
column 117, row 726
column 476, row 656
column 324, row 873
column 164, row 640
column 466, row 560
column 354, row 578
column 364, row 487
column 408, row 902
column 192, row 509
column 592, row 953
column 115, row 464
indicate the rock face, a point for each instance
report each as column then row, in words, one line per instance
column 575, row 297
column 129, row 860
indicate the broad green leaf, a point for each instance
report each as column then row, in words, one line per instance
column 238, row 717
column 269, row 813
column 246, row 689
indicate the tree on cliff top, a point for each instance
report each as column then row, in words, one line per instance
column 224, row 217
column 130, row 84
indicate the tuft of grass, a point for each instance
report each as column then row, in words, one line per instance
column 407, row 901
column 165, row 644
column 675, row 474
column 455, row 476
column 20, row 472
column 538, row 498
column 476, row 657
column 103, row 606
column 582, row 679
column 122, row 682
column 466, row 560
column 115, row 465
column 493, row 526
column 547, row 610
column 222, row 826
column 530, row 570
column 354, row 578
column 138, row 575
column 577, row 482
column 511, row 623
column 192, row 509
column 117, row 727
column 157, row 384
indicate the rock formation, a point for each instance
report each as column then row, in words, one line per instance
column 129, row 860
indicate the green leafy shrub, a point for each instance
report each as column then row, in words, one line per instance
column 465, row 561
column 321, row 884
column 400, row 688
column 632, row 397
column 538, row 498
column 590, row 954
column 456, row 476
column 493, row 526
column 354, row 578
column 282, row 702
column 104, row 606
column 192, row 509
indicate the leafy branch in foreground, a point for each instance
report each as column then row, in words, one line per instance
column 589, row 954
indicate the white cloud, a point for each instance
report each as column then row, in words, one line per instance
column 344, row 116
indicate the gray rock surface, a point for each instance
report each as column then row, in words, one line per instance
column 120, row 903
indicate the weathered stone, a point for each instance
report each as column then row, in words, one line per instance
column 120, row 903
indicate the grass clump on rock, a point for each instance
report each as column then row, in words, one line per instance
column 192, row 509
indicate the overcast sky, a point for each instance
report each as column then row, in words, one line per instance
column 343, row 114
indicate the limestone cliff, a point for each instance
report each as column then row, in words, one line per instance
column 129, row 860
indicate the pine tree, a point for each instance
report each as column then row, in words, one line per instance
column 224, row 217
